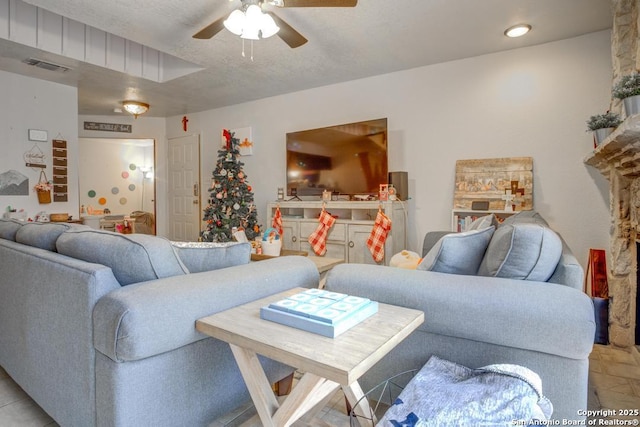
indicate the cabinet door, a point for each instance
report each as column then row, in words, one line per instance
column 358, row 252
column 291, row 235
column 337, row 233
column 334, row 250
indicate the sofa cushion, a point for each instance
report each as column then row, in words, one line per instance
column 9, row 228
column 527, row 251
column 43, row 235
column 132, row 257
column 207, row 256
column 483, row 222
column 458, row 253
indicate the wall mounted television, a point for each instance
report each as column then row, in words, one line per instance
column 348, row 159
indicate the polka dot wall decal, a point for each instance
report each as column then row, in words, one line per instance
column 102, row 201
column 132, row 187
column 91, row 193
column 115, row 190
column 125, row 174
column 133, row 166
column 123, row 200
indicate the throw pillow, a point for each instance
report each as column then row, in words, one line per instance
column 526, row 251
column 405, row 259
column 9, row 228
column 207, row 256
column 43, row 235
column 132, row 257
column 483, row 222
column 458, row 253
column 526, row 216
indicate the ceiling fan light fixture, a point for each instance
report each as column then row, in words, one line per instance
column 135, row 107
column 268, row 26
column 517, row 30
column 251, row 23
column 250, row 33
column 235, row 22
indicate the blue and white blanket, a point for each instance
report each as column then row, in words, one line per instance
column 444, row 393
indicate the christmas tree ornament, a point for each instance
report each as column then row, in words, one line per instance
column 236, row 206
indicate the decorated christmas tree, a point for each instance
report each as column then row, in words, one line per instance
column 231, row 199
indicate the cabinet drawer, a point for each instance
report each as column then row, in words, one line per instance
column 338, row 232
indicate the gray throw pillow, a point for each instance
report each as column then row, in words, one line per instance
column 132, row 257
column 527, row 251
column 9, row 228
column 458, row 253
column 207, row 256
column 483, row 222
column 43, row 235
column 526, row 216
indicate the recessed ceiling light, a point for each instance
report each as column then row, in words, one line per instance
column 517, row 30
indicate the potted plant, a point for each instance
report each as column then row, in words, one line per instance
column 628, row 89
column 602, row 125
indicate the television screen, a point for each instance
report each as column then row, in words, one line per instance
column 348, row 159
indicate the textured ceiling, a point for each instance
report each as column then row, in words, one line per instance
column 375, row 37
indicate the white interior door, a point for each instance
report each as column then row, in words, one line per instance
column 184, row 189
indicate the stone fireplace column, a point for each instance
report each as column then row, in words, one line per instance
column 622, row 277
column 618, row 159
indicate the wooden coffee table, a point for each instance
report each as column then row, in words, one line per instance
column 327, row 363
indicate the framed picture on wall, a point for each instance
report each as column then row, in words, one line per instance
column 245, row 142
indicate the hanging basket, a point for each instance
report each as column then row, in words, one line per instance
column 44, row 196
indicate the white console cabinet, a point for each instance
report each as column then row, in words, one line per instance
column 347, row 239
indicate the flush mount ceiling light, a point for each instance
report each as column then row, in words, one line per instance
column 517, row 30
column 136, row 108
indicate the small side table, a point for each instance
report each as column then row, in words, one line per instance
column 324, row 264
column 327, row 363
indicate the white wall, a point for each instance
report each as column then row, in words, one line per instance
column 524, row 102
column 29, row 103
column 145, row 128
column 112, row 169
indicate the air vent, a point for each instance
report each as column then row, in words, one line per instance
column 45, row 65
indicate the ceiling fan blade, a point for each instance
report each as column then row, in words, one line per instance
column 320, row 3
column 288, row 34
column 210, row 30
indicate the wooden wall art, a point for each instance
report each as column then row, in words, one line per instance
column 60, row 174
column 491, row 179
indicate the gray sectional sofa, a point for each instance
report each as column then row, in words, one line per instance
column 513, row 296
column 98, row 327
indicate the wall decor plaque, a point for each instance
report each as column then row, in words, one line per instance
column 107, row 127
column 489, row 180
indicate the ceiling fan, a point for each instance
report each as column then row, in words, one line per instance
column 287, row 33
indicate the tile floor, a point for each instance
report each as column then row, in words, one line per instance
column 614, row 384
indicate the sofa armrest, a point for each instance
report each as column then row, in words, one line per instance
column 431, row 238
column 206, row 256
column 145, row 319
column 529, row 315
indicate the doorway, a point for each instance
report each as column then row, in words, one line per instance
column 116, row 176
column 185, row 213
